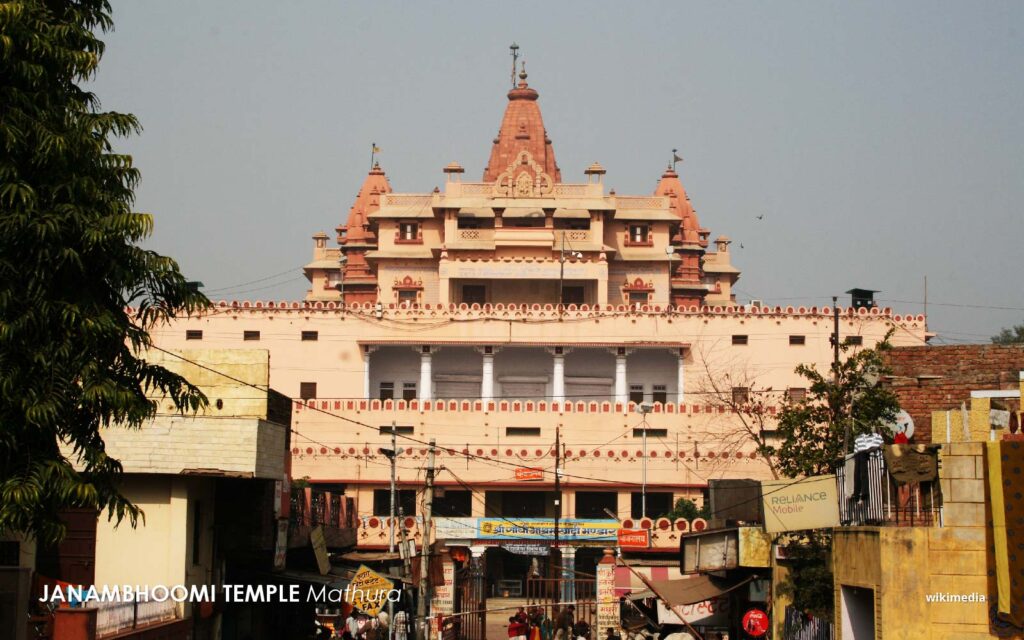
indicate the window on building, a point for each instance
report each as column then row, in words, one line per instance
column 651, row 433
column 310, row 336
column 855, row 341
column 387, row 391
column 740, row 395
column 572, row 294
column 474, row 293
column 658, row 504
column 639, row 297
column 409, row 231
column 739, row 339
column 405, row 499
column 797, row 340
column 454, row 504
column 307, row 390
column 519, row 504
column 636, row 393
column 796, row 394
column 639, row 233
column 408, row 391
column 592, row 504
column 659, row 393
column 250, row 335
column 408, row 295
column 525, row 432
column 194, row 334
column 386, row 430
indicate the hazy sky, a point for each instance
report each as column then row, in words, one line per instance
column 882, row 142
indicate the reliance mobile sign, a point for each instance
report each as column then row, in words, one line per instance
column 795, row 505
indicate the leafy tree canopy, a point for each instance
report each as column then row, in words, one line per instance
column 842, row 403
column 812, row 431
column 1013, row 335
column 687, row 508
column 71, row 355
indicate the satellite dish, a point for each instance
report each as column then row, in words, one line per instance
column 903, row 423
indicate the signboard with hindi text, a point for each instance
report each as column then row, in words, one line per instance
column 544, row 529
column 634, row 538
column 796, row 505
column 369, row 590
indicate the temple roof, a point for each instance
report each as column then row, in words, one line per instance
column 522, row 128
column 679, row 204
column 367, row 201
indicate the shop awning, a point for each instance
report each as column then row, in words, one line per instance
column 691, row 590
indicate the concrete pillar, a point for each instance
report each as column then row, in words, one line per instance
column 607, row 603
column 568, row 574
column 558, row 377
column 621, row 390
column 366, row 374
column 487, row 377
column 681, row 378
column 426, row 375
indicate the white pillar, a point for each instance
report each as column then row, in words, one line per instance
column 621, row 391
column 426, row 377
column 487, row 377
column 366, row 374
column 558, row 378
column 681, row 379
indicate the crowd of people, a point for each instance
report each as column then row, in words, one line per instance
column 533, row 623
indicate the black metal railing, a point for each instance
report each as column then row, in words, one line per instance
column 802, row 626
column 871, row 496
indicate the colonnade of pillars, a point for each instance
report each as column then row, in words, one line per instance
column 558, row 353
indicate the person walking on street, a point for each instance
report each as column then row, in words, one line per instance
column 564, row 623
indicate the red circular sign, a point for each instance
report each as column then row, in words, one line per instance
column 755, row 623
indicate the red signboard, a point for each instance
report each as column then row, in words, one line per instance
column 634, row 538
column 523, row 473
column 755, row 622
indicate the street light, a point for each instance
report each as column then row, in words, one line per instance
column 643, row 409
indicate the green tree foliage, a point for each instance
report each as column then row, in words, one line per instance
column 1013, row 335
column 687, row 508
column 812, row 431
column 71, row 356
column 849, row 399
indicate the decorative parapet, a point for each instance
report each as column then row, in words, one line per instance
column 515, row 311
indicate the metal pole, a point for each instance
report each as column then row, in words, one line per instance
column 561, row 273
column 394, row 462
column 422, row 610
column 391, row 539
column 558, row 491
column 643, row 487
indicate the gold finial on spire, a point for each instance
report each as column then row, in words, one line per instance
column 522, row 74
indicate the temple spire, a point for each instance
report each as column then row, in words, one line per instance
column 522, row 129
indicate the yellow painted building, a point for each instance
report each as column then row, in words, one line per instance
column 938, row 581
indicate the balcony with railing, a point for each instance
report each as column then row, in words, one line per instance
column 311, row 508
column 872, row 493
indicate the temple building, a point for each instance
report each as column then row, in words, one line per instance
column 522, row 236
column 524, row 324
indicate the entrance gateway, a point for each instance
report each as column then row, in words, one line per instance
column 507, row 560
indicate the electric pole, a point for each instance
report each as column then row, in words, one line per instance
column 558, row 496
column 428, row 505
column 391, row 538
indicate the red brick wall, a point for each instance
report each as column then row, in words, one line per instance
column 964, row 368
